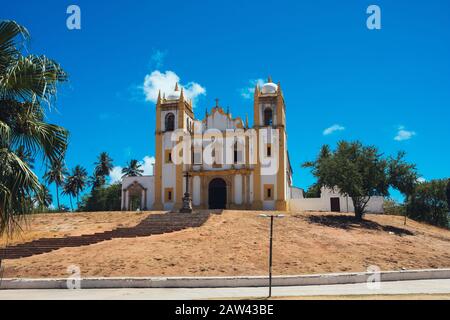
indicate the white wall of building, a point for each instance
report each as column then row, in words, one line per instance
column 323, row 203
column 147, row 182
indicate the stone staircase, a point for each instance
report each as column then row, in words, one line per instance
column 152, row 225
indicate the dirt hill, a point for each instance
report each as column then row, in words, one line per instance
column 235, row 243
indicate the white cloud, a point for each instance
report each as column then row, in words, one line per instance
column 332, row 129
column 247, row 92
column 147, row 165
column 404, row 134
column 421, row 180
column 115, row 175
column 165, row 81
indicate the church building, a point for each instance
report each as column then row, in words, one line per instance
column 236, row 176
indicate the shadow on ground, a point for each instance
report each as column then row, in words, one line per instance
column 349, row 223
column 152, row 225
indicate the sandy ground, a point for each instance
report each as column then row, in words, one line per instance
column 71, row 224
column 236, row 243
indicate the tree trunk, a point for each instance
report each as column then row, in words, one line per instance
column 57, row 197
column 71, row 206
column 359, row 207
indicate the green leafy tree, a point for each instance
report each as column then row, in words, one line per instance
column 56, row 173
column 428, row 203
column 447, row 191
column 358, row 171
column 314, row 191
column 103, row 199
column 133, row 169
column 27, row 84
column 402, row 176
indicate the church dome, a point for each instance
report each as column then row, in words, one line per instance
column 174, row 95
column 269, row 87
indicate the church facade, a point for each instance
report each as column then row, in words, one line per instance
column 222, row 161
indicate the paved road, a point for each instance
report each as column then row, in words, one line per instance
column 387, row 288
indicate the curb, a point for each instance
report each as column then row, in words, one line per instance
column 224, row 282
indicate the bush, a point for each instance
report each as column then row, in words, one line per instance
column 428, row 203
column 103, row 199
column 393, row 208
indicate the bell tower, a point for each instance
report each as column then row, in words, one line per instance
column 269, row 112
column 173, row 112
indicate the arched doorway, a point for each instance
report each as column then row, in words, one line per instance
column 217, row 194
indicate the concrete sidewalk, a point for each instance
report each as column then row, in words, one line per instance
column 386, row 288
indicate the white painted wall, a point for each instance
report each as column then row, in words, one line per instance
column 147, row 182
column 323, row 203
column 296, row 193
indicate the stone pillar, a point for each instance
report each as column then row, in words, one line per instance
column 142, row 206
column 126, row 200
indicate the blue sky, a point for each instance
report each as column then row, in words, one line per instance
column 371, row 85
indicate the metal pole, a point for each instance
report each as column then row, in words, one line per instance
column 270, row 256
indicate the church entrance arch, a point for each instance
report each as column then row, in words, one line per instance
column 217, row 194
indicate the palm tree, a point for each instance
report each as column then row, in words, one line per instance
column 43, row 199
column 70, row 189
column 102, row 169
column 56, row 173
column 96, row 181
column 27, row 83
column 104, row 165
column 79, row 180
column 133, row 169
column 26, row 156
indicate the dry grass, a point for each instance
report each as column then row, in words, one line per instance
column 236, row 243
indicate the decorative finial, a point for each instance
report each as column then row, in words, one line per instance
column 217, row 102
column 159, row 96
column 176, row 87
column 256, row 90
column 269, row 80
column 246, row 120
column 228, row 110
column 182, row 95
